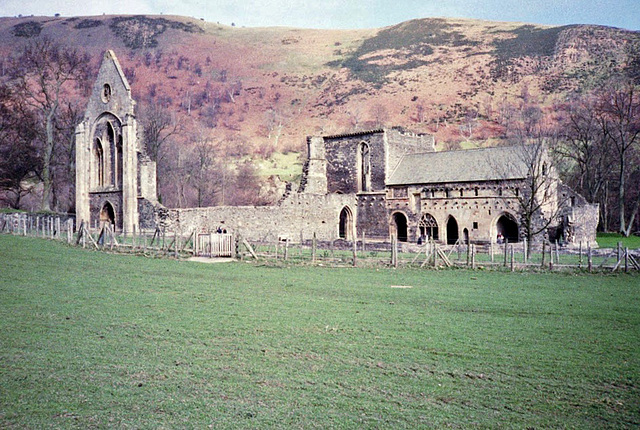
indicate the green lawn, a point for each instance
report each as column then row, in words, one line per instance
column 610, row 240
column 90, row 339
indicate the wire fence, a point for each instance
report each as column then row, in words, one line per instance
column 339, row 253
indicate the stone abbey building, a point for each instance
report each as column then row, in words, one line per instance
column 375, row 184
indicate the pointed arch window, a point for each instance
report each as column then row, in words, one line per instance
column 365, row 167
column 99, row 163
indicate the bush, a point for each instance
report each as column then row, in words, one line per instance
column 27, row 29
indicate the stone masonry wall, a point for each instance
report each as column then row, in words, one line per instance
column 298, row 217
column 341, row 153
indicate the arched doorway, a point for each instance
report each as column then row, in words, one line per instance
column 465, row 235
column 400, row 226
column 452, row 231
column 345, row 228
column 428, row 227
column 507, row 228
column 108, row 215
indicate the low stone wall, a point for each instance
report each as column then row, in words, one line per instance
column 297, row 218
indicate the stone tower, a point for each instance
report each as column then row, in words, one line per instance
column 112, row 170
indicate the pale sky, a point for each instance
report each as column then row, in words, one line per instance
column 343, row 14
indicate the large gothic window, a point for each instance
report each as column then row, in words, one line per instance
column 113, row 159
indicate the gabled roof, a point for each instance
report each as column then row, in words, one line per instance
column 109, row 55
column 471, row 165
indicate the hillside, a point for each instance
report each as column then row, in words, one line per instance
column 273, row 86
column 256, row 91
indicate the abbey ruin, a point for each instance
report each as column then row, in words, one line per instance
column 378, row 184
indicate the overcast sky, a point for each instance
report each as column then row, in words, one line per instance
column 346, row 13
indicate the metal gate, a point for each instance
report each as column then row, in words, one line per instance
column 215, row 245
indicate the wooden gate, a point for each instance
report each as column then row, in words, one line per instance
column 215, row 245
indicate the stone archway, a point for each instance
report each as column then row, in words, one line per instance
column 452, row 230
column 507, row 228
column 399, row 224
column 345, row 226
column 465, row 235
column 107, row 215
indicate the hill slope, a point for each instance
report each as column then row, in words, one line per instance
column 269, row 87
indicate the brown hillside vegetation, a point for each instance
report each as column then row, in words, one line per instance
column 256, row 91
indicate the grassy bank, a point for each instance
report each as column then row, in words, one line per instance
column 90, row 339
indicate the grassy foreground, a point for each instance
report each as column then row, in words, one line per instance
column 89, row 339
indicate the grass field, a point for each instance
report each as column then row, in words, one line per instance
column 610, row 240
column 90, row 339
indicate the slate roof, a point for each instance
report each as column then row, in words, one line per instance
column 471, row 165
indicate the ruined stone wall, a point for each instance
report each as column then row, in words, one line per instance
column 400, row 142
column 581, row 223
column 298, row 217
column 372, row 216
column 342, row 157
column 147, row 178
column 97, row 202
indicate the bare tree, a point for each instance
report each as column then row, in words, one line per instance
column 208, row 172
column 19, row 160
column 619, row 111
column 539, row 202
column 45, row 74
column 587, row 154
column 469, row 123
column 380, row 115
column 160, row 125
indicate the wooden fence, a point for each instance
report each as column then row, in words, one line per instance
column 516, row 256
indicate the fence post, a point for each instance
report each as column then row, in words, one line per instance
column 363, row 236
column 468, row 254
column 314, row 245
column 619, row 251
column 589, row 258
column 355, row 253
column 557, row 253
column 491, row 250
column 544, row 252
column 626, row 260
column 286, row 249
column 512, row 259
column 394, row 251
column 506, row 243
column 524, row 250
column 473, row 256
column 580, row 256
